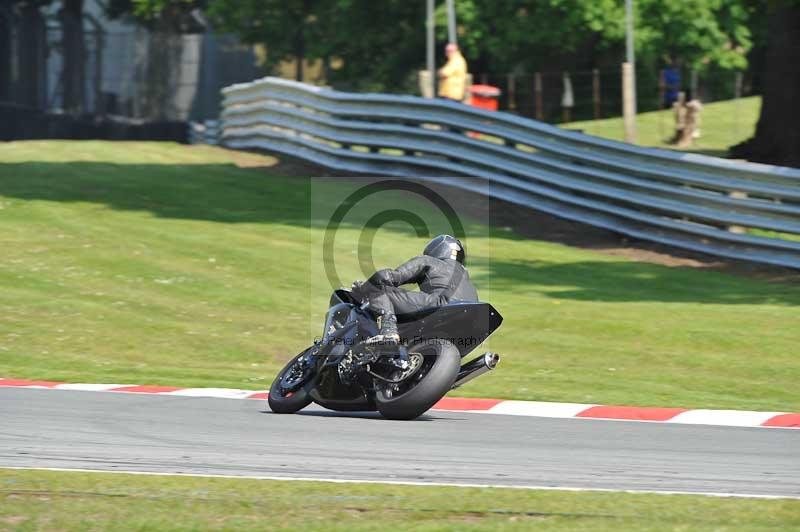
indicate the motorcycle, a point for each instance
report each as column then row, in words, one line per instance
column 401, row 381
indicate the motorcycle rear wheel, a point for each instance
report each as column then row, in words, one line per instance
column 410, row 400
column 291, row 402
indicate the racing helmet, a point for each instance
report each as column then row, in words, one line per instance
column 446, row 247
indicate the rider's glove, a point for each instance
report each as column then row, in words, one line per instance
column 357, row 288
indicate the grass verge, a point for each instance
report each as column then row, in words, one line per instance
column 48, row 500
column 155, row 263
column 723, row 124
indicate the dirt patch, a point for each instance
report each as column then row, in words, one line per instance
column 541, row 226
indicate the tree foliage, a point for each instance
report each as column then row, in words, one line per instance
column 378, row 45
column 526, row 33
column 700, row 32
column 381, row 44
column 287, row 28
column 176, row 16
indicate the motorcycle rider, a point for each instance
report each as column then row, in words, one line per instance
column 440, row 274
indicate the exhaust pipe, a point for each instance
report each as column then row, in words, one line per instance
column 475, row 368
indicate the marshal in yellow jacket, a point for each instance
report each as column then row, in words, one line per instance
column 453, row 76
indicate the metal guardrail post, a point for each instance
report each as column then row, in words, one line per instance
column 738, row 229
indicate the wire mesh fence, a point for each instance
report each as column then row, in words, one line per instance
column 594, row 105
column 151, row 75
column 597, row 93
column 123, row 69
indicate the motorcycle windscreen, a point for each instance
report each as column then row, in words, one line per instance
column 465, row 325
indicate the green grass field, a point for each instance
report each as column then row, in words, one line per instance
column 46, row 500
column 723, row 124
column 165, row 264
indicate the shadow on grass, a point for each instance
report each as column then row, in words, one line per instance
column 722, row 154
column 211, row 192
column 624, row 281
column 229, row 194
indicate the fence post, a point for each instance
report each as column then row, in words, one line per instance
column 99, row 102
column 596, row 92
column 662, row 95
column 628, row 109
column 737, row 89
column 537, row 90
column 430, row 54
column 512, row 100
column 737, row 95
column 567, row 98
column 738, row 229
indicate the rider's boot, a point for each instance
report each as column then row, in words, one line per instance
column 388, row 334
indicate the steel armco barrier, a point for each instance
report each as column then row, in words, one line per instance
column 725, row 208
column 206, row 132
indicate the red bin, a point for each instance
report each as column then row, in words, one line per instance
column 484, row 97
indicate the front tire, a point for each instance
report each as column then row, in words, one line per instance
column 435, row 379
column 282, row 402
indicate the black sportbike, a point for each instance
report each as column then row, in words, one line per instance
column 341, row 372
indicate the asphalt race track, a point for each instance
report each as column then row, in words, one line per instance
column 129, row 432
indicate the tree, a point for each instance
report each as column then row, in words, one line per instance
column 166, row 20
column 5, row 53
column 74, row 54
column 530, row 35
column 527, row 35
column 777, row 137
column 288, row 28
column 30, row 48
column 32, row 52
column 379, row 45
column 699, row 32
column 171, row 16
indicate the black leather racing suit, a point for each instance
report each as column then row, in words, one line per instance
column 440, row 281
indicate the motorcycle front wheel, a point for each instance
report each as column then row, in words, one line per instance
column 414, row 396
column 290, row 377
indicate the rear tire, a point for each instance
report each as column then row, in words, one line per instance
column 292, row 402
column 442, row 362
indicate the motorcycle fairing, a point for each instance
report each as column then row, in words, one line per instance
column 464, row 324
